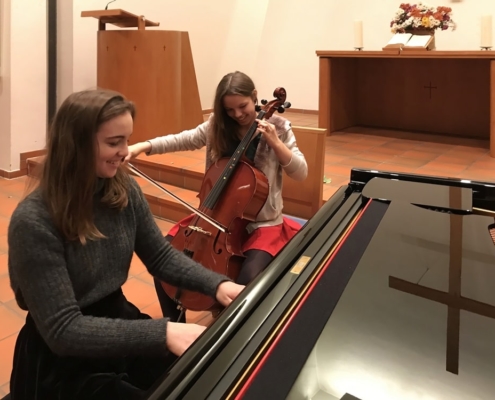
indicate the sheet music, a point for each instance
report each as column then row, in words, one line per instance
column 400, row 38
column 418, row 41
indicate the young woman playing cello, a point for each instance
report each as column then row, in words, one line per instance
column 272, row 152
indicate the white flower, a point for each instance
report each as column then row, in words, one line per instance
column 434, row 21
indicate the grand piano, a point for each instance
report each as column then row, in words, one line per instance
column 388, row 292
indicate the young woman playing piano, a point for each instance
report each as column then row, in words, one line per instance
column 71, row 242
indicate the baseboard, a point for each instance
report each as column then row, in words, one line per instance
column 294, row 110
column 301, row 111
column 13, row 174
column 24, row 170
column 31, row 154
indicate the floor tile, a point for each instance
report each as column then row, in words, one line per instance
column 153, row 310
column 11, row 322
column 3, row 264
column 4, row 224
column 139, row 293
column 6, row 293
column 12, row 306
column 7, row 205
column 6, row 388
column 137, row 266
column 377, row 156
column 3, row 244
column 7, row 351
column 357, row 162
column 436, row 165
column 420, row 155
column 146, row 278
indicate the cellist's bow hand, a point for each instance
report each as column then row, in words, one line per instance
column 136, row 149
column 227, row 292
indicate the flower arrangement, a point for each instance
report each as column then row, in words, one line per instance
column 421, row 17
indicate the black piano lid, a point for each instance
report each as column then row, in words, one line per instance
column 393, row 331
column 417, row 319
column 209, row 346
column 483, row 192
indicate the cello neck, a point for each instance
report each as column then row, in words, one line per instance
column 278, row 104
column 220, row 184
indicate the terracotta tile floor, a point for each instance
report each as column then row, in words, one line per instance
column 358, row 147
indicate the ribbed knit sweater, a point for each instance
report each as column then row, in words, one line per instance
column 54, row 279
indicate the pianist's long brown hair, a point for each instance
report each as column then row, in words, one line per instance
column 68, row 179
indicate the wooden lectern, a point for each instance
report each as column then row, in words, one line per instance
column 153, row 68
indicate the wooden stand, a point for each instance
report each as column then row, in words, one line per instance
column 153, row 68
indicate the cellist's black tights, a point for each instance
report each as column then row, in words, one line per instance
column 255, row 262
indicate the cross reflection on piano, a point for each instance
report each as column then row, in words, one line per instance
column 453, row 298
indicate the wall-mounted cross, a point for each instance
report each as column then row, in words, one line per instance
column 430, row 87
column 452, row 299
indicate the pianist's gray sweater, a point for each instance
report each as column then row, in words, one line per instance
column 54, row 279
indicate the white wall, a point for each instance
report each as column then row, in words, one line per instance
column 65, row 49
column 28, row 77
column 272, row 40
column 23, row 80
column 4, row 84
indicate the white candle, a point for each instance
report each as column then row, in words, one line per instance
column 486, row 31
column 358, row 34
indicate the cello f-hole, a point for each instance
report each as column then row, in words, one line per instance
column 217, row 248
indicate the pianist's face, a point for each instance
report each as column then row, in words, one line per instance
column 112, row 138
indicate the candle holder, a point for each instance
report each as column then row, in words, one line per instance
column 358, row 48
column 486, row 48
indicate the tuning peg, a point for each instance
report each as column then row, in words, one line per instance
column 281, row 109
column 257, row 108
column 287, row 104
column 264, row 102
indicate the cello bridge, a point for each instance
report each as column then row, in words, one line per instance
column 200, row 230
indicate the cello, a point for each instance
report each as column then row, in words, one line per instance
column 232, row 194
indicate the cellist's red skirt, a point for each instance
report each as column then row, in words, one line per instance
column 268, row 238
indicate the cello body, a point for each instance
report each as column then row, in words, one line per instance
column 241, row 201
column 232, row 194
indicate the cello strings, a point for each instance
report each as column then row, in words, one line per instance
column 189, row 207
column 212, row 197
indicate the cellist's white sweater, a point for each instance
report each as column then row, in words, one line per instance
column 265, row 160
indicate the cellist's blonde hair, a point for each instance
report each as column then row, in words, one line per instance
column 224, row 128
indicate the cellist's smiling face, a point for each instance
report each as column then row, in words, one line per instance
column 240, row 108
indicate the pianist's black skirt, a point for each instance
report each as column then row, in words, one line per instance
column 39, row 374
